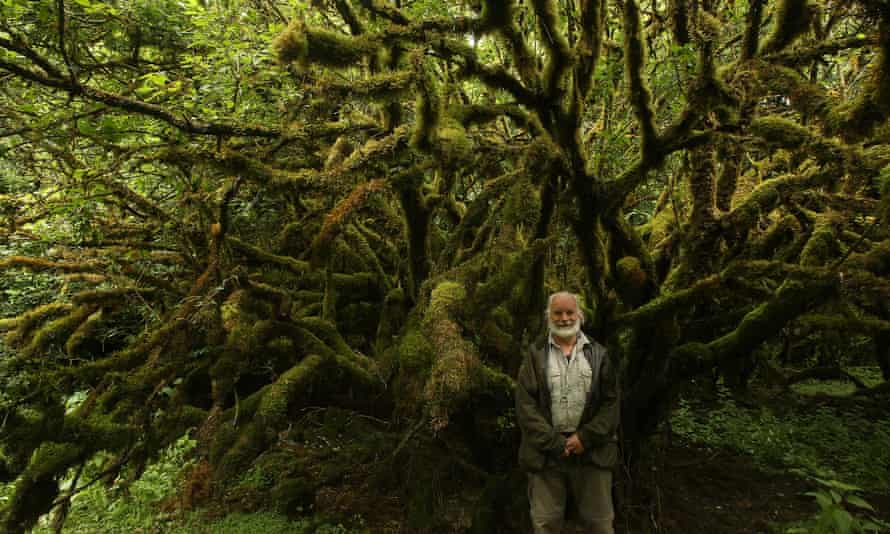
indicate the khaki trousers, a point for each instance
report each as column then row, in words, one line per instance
column 591, row 488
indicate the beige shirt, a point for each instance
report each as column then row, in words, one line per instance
column 570, row 382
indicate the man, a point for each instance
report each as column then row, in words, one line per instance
column 567, row 409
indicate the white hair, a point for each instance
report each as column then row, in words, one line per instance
column 564, row 294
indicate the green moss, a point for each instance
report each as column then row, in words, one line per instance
column 250, row 442
column 279, row 396
column 858, row 119
column 641, row 96
column 808, row 98
column 680, row 21
column 22, row 326
column 427, row 108
column 821, row 247
column 793, row 18
column 553, row 38
column 378, row 88
column 83, row 333
column 497, row 14
column 37, row 488
column 303, row 45
column 781, row 132
column 293, row 496
column 56, row 331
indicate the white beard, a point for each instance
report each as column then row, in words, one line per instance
column 564, row 332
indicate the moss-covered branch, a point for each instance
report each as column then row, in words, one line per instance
column 560, row 54
column 793, row 18
column 639, row 96
column 587, row 49
column 791, row 300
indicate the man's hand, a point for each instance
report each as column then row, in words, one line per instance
column 573, row 446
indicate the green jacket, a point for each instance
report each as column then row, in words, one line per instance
column 599, row 421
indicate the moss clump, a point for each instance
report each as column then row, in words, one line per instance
column 303, row 45
column 630, row 274
column 280, row 395
column 781, row 132
column 427, row 109
column 293, row 496
column 822, row 246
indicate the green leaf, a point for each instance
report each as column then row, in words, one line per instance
column 837, row 484
column 821, row 498
column 842, row 520
column 859, row 502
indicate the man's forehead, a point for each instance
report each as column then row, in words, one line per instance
column 563, row 302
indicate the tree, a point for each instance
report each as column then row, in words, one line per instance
column 369, row 212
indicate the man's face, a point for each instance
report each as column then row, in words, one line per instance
column 563, row 319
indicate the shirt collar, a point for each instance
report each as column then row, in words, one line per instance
column 580, row 342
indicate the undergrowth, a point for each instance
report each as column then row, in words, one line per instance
column 843, row 444
column 100, row 508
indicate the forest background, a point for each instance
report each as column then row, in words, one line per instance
column 284, row 256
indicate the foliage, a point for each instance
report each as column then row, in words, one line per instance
column 846, row 444
column 841, row 510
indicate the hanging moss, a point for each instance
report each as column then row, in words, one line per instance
column 701, row 186
column 793, row 18
column 498, row 289
column 631, row 279
column 428, row 107
column 378, row 88
column 304, row 45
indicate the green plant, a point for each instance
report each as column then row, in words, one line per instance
column 846, row 443
column 841, row 510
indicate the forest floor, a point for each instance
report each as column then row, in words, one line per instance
column 727, row 465
column 698, row 490
column 721, row 491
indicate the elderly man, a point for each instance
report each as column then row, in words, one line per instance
column 567, row 408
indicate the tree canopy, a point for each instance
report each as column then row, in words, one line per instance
column 240, row 208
